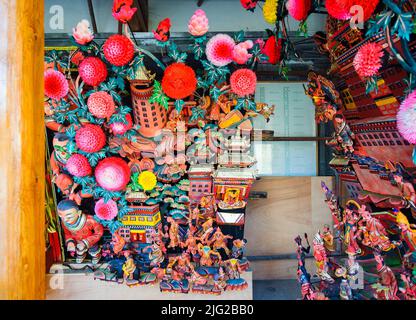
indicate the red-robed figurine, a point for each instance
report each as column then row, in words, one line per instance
column 82, row 232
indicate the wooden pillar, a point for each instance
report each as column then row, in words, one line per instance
column 22, row 143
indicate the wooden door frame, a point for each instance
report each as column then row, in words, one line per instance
column 22, row 144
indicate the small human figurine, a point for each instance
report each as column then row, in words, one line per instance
column 333, row 206
column 374, row 234
column 191, row 243
column 207, row 228
column 353, row 267
column 301, row 252
column 233, row 269
column 129, row 267
column 321, row 259
column 206, row 252
column 181, row 267
column 336, row 214
column 173, row 233
column 220, row 279
column 345, row 292
column 106, row 251
column 219, row 241
column 238, row 248
column 328, row 239
column 407, row 231
column 193, row 219
column 60, row 154
column 349, row 222
column 324, row 96
column 156, row 252
column 117, row 242
column 82, row 232
column 164, row 233
column 208, row 204
column 58, row 159
column 343, row 136
column 387, row 288
column 304, row 278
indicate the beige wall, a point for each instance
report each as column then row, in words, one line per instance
column 294, row 205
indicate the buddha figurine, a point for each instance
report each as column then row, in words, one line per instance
column 81, row 231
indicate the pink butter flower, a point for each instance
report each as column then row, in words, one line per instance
column 219, row 50
column 240, row 52
column 82, row 33
column 198, row 24
column 106, row 210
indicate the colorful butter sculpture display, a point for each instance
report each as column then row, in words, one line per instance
column 145, row 148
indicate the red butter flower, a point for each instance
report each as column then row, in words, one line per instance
column 249, row 5
column 162, row 33
column 272, row 49
column 122, row 10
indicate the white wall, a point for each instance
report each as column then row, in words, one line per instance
column 224, row 15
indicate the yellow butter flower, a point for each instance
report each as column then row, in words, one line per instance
column 147, row 180
column 270, row 11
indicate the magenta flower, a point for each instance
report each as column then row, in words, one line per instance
column 56, row 85
column 82, row 33
column 106, row 211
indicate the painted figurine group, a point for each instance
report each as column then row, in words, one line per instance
column 371, row 256
column 149, row 187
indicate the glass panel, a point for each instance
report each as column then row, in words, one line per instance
column 61, row 16
column 294, row 114
column 285, row 158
